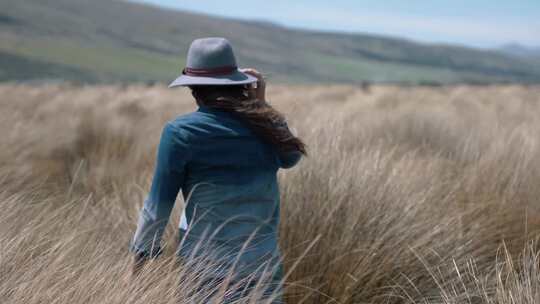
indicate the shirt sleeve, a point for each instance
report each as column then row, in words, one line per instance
column 288, row 159
column 167, row 181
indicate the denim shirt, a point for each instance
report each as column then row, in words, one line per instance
column 228, row 178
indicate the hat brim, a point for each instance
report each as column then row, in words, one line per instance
column 237, row 77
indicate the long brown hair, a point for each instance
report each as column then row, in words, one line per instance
column 261, row 117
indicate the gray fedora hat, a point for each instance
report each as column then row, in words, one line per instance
column 211, row 61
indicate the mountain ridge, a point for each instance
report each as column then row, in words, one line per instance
column 519, row 50
column 121, row 41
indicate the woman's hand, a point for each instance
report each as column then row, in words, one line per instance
column 260, row 92
column 137, row 264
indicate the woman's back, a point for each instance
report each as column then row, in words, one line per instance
column 230, row 184
column 227, row 175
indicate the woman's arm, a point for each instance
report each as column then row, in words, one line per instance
column 166, row 183
column 291, row 158
column 286, row 159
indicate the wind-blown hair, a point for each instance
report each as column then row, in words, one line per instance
column 261, row 117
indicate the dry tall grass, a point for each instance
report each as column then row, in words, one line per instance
column 409, row 195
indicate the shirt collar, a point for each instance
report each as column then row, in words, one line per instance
column 207, row 109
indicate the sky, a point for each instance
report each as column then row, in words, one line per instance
column 477, row 23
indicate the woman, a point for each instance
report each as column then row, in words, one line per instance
column 224, row 158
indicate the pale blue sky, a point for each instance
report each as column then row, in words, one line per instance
column 480, row 23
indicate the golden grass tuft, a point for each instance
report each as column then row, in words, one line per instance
column 409, row 195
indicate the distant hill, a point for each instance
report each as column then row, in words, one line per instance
column 118, row 41
column 521, row 51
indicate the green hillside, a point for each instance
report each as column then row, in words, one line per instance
column 118, row 41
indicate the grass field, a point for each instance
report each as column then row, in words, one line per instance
column 409, row 195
